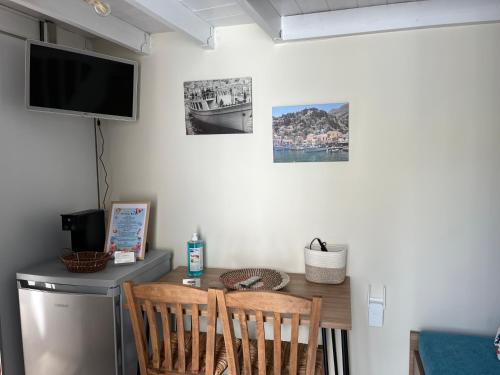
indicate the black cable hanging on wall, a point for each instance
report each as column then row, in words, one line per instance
column 97, row 166
column 99, row 159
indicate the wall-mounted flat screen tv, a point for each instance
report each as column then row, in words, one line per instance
column 82, row 83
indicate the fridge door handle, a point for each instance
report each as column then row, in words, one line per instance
column 68, row 289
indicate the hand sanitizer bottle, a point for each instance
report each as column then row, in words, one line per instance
column 195, row 256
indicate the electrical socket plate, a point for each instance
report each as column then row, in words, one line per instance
column 375, row 314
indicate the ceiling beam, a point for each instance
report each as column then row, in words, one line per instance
column 173, row 14
column 18, row 24
column 264, row 15
column 80, row 15
column 381, row 18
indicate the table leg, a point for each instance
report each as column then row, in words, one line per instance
column 334, row 350
column 345, row 352
column 325, row 351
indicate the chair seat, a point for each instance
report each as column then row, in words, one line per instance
column 285, row 355
column 453, row 354
column 221, row 361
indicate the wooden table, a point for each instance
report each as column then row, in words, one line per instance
column 336, row 308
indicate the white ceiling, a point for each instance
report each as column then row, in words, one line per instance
column 294, row 7
column 25, row 10
column 130, row 14
column 229, row 12
column 119, row 9
column 132, row 21
column 218, row 12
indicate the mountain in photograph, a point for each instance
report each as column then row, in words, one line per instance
column 312, row 121
column 341, row 115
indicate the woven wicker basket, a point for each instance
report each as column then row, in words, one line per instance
column 86, row 261
column 270, row 279
column 326, row 267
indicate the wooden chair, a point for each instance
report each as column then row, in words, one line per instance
column 175, row 351
column 416, row 367
column 287, row 358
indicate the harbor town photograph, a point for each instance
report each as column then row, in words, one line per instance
column 311, row 133
column 220, row 106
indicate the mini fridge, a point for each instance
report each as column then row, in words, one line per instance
column 76, row 324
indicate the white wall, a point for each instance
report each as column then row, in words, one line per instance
column 47, row 168
column 417, row 202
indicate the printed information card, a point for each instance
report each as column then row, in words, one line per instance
column 127, row 228
column 124, row 257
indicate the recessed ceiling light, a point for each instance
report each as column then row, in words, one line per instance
column 100, row 7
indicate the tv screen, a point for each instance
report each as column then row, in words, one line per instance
column 61, row 79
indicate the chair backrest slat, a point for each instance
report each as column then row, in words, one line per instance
column 167, row 336
column 269, row 301
column 211, row 328
column 294, row 343
column 138, row 328
column 245, row 341
column 280, row 306
column 277, row 343
column 166, row 301
column 174, row 293
column 181, row 342
column 153, row 333
column 313, row 336
column 228, row 331
column 195, row 338
column 261, row 342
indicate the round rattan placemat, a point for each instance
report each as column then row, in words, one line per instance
column 270, row 279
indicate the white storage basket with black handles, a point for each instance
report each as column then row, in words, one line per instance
column 326, row 267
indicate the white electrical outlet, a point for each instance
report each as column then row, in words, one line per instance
column 376, row 314
column 376, row 307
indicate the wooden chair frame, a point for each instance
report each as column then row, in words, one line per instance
column 262, row 303
column 416, row 367
column 168, row 300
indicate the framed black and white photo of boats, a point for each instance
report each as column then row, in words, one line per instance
column 311, row 133
column 218, row 106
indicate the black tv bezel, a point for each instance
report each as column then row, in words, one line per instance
column 29, row 43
